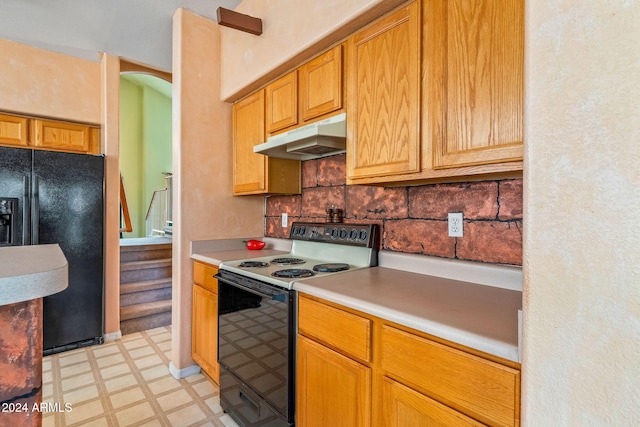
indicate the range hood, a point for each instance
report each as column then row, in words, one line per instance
column 322, row 138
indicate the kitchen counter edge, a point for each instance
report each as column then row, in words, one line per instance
column 448, row 305
column 216, row 251
column 31, row 272
column 445, row 286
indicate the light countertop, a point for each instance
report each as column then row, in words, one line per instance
column 481, row 317
column 469, row 303
column 30, row 272
column 216, row 251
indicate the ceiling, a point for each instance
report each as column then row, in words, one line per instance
column 137, row 30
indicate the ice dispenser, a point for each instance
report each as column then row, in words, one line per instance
column 8, row 208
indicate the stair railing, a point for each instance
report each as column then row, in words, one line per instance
column 124, row 211
column 156, row 217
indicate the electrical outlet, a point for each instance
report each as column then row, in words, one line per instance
column 455, row 224
column 285, row 220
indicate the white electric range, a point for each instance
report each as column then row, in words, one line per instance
column 257, row 316
column 318, row 249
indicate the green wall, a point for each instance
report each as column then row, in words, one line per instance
column 145, row 145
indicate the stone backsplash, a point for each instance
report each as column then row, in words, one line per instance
column 413, row 219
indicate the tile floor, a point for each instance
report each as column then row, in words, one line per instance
column 126, row 382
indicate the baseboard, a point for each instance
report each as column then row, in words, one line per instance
column 184, row 372
column 112, row 336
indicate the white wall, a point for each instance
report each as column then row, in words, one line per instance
column 582, row 198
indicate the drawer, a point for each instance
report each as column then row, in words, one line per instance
column 404, row 407
column 344, row 331
column 479, row 388
column 203, row 275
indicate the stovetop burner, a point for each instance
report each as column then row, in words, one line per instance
column 253, row 264
column 330, row 267
column 317, row 250
column 293, row 273
column 287, row 261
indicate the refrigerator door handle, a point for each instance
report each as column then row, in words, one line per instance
column 26, row 223
column 35, row 211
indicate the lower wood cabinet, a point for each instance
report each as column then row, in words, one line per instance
column 404, row 407
column 204, row 327
column 332, row 389
column 404, row 377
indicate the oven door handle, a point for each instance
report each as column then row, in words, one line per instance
column 251, row 290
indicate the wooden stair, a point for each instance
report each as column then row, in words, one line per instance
column 145, row 284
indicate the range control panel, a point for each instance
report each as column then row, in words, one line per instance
column 365, row 235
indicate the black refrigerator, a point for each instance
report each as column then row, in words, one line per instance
column 54, row 197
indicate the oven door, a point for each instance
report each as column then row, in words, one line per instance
column 256, row 350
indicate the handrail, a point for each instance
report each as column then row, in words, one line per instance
column 124, row 207
column 156, row 216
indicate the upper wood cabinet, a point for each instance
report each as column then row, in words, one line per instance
column 249, row 168
column 256, row 173
column 320, row 85
column 63, row 136
column 384, row 96
column 14, row 130
column 306, row 94
column 282, row 102
column 49, row 134
column 469, row 114
column 476, row 57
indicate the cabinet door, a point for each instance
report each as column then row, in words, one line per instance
column 204, row 331
column 384, row 96
column 203, row 276
column 249, row 168
column 482, row 389
column 13, row 130
column 282, row 102
column 63, row 136
column 476, row 62
column 321, row 84
column 404, row 407
column 332, row 390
